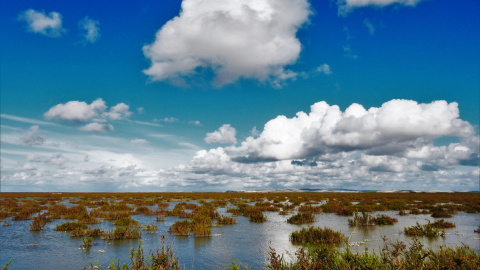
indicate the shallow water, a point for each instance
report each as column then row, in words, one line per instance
column 247, row 242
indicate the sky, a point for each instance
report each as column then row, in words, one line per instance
column 216, row 95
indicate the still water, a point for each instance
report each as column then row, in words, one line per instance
column 248, row 243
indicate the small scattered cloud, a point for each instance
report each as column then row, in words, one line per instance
column 169, row 119
column 325, row 69
column 32, row 137
column 348, row 52
column 140, row 110
column 369, row 26
column 195, row 122
column 89, row 29
column 253, row 39
column 347, row 6
column 26, row 120
column 139, row 141
column 96, row 127
column 225, row 134
column 254, row 132
column 38, row 22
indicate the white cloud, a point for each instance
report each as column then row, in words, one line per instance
column 385, row 130
column 25, row 120
column 249, row 39
column 369, row 25
column 138, row 141
column 76, row 111
column 346, row 6
column 32, row 137
column 140, row 110
column 195, row 122
column 325, row 69
column 96, row 127
column 118, row 112
column 169, row 119
column 225, row 134
column 90, row 29
column 49, row 25
column 79, row 111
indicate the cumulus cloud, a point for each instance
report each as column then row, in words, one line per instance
column 76, row 111
column 90, row 29
column 397, row 124
column 236, row 39
column 118, row 112
column 96, row 127
column 225, row 134
column 346, row 6
column 79, row 111
column 32, row 137
column 38, row 22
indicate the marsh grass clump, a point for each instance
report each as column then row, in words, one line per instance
column 257, row 216
column 300, row 218
column 424, row 230
column 126, row 221
column 150, row 228
column 121, row 233
column 95, row 232
column 312, row 235
column 365, row 220
column 180, row 228
column 39, row 222
column 160, row 218
column 442, row 224
column 385, row 220
column 87, row 242
column 161, row 260
column 70, row 226
column 224, row 220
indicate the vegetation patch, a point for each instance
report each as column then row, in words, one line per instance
column 312, row 235
column 300, row 218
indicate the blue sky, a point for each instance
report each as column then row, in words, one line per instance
column 215, row 95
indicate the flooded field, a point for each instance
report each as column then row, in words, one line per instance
column 245, row 241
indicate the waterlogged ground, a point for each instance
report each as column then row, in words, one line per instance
column 246, row 242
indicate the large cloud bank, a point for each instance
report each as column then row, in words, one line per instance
column 392, row 146
column 249, row 39
column 393, row 128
